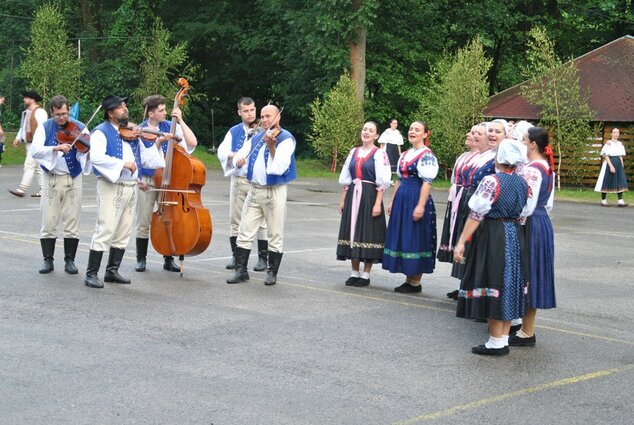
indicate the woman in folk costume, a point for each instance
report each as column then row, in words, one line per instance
column 496, row 131
column 494, row 283
column 410, row 244
column 540, row 177
column 364, row 178
column 459, row 176
column 612, row 176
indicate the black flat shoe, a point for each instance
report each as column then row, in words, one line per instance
column 484, row 351
column 361, row 282
column 516, row 341
column 406, row 288
column 514, row 329
column 352, row 281
column 453, row 295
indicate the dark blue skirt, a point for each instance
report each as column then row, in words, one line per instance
column 410, row 246
column 541, row 258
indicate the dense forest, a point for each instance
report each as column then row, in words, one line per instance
column 293, row 51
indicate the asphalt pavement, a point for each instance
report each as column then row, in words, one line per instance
column 309, row 350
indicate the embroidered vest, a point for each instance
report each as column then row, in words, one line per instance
column 114, row 147
column 511, row 196
column 547, row 184
column 271, row 180
column 30, row 118
column 238, row 136
column 164, row 126
column 363, row 168
column 51, row 128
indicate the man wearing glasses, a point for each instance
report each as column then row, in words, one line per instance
column 62, row 182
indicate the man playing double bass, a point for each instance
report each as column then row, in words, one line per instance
column 61, row 198
column 270, row 166
column 156, row 112
column 115, row 163
column 238, row 136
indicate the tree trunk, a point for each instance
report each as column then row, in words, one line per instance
column 357, row 55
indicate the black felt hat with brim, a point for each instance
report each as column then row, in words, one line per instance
column 112, row 101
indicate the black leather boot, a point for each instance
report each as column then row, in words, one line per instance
column 70, row 249
column 169, row 264
column 232, row 263
column 275, row 258
column 141, row 254
column 240, row 274
column 94, row 262
column 263, row 256
column 112, row 269
column 48, row 250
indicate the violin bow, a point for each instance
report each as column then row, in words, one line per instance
column 274, row 118
column 86, row 125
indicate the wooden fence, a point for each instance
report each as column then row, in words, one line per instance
column 585, row 163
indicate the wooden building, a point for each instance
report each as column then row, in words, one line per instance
column 607, row 75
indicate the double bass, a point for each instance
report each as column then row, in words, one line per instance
column 180, row 225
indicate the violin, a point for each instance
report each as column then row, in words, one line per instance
column 71, row 134
column 130, row 132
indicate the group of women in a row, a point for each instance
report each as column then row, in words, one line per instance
column 496, row 233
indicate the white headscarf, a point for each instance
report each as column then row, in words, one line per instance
column 504, row 123
column 511, row 152
column 520, row 128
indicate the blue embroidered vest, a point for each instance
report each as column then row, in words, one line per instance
column 114, row 147
column 271, row 180
column 368, row 168
column 546, row 187
column 238, row 136
column 51, row 128
column 165, row 127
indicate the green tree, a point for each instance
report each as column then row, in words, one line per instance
column 564, row 109
column 455, row 100
column 51, row 65
column 336, row 122
column 161, row 63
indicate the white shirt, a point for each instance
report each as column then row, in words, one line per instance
column 427, row 166
column 54, row 161
column 111, row 168
column 225, row 149
column 390, row 136
column 613, row 148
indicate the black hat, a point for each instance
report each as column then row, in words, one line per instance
column 111, row 102
column 33, row 95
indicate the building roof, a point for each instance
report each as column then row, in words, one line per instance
column 606, row 72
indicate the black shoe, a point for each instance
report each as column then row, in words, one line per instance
column 240, row 273
column 352, row 280
column 453, row 295
column 516, row 341
column 406, row 288
column 141, row 254
column 170, row 265
column 112, row 269
column 232, row 264
column 514, row 329
column 94, row 262
column 48, row 249
column 275, row 258
column 484, row 351
column 70, row 250
column 361, row 282
column 263, row 256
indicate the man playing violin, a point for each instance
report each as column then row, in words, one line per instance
column 270, row 165
column 115, row 163
column 238, row 136
column 61, row 198
column 156, row 112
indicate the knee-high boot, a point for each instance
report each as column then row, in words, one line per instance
column 48, row 250
column 240, row 274
column 141, row 254
column 263, row 256
column 275, row 258
column 232, row 264
column 70, row 250
column 94, row 262
column 112, row 269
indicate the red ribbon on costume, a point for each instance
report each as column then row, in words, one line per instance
column 551, row 158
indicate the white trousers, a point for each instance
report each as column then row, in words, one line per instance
column 31, row 167
column 61, row 199
column 146, row 203
column 116, row 203
column 264, row 203
column 240, row 187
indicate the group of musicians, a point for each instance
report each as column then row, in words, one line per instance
column 257, row 154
